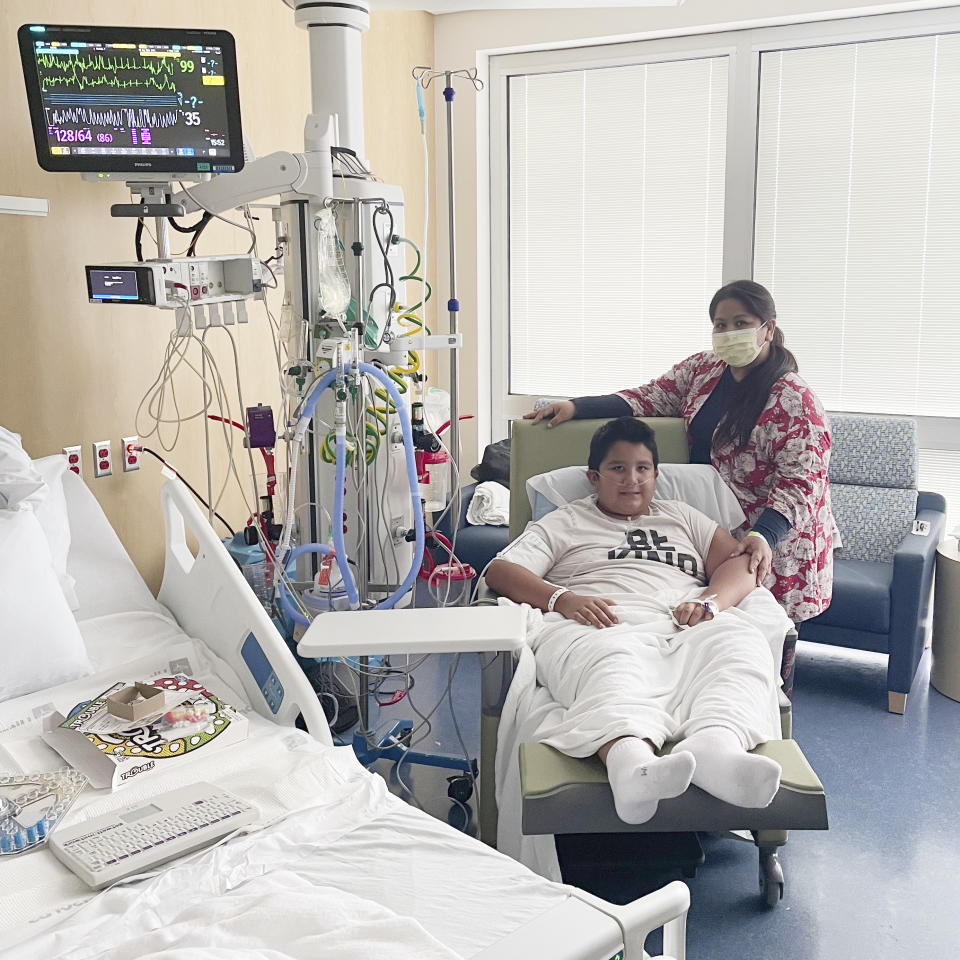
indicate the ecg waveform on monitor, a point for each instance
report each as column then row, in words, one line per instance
column 129, row 117
column 99, row 71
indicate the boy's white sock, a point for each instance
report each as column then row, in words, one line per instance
column 726, row 771
column 639, row 778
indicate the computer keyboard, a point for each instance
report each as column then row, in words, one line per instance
column 138, row 838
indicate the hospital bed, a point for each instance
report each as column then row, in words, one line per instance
column 564, row 795
column 374, row 867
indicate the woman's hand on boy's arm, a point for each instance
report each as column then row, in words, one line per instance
column 729, row 577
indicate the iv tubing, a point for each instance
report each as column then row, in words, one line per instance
column 411, row 576
column 285, row 602
column 339, row 546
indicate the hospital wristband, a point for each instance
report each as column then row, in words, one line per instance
column 555, row 596
column 710, row 604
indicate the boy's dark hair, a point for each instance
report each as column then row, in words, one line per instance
column 623, row 428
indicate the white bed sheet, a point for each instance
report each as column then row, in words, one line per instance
column 387, row 860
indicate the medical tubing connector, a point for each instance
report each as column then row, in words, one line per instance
column 282, row 595
column 411, row 576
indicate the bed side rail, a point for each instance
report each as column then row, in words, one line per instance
column 666, row 907
column 584, row 927
column 212, row 602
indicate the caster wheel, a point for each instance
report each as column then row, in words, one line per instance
column 459, row 788
column 771, row 879
column 771, row 891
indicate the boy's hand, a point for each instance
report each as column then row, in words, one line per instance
column 590, row 611
column 690, row 613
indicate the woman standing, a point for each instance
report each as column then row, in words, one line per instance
column 750, row 415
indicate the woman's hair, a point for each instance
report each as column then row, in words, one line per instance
column 623, row 428
column 749, row 396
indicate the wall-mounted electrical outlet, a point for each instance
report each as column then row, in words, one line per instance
column 102, row 459
column 131, row 456
column 73, row 459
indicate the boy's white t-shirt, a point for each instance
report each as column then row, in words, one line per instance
column 580, row 547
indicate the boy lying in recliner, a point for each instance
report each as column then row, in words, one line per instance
column 643, row 640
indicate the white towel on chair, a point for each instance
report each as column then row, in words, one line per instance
column 490, row 505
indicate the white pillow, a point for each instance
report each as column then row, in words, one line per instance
column 40, row 643
column 697, row 484
column 18, row 479
column 51, row 511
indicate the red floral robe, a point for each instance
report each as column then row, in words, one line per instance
column 783, row 466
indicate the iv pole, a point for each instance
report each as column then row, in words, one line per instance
column 424, row 76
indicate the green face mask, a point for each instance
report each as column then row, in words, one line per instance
column 738, row 348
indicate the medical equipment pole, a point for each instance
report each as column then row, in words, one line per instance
column 361, row 452
column 163, row 238
column 453, row 306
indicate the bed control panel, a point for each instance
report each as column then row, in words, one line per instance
column 259, row 666
column 137, row 839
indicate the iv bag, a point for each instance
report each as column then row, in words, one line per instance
column 333, row 287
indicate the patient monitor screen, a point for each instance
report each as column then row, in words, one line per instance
column 132, row 100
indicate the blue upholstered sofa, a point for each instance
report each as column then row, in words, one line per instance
column 884, row 572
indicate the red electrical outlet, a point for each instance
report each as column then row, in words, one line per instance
column 102, row 459
column 73, row 459
column 131, row 453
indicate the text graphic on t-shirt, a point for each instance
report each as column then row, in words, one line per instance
column 649, row 545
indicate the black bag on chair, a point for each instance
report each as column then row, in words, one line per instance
column 495, row 464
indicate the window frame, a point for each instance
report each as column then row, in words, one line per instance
column 744, row 48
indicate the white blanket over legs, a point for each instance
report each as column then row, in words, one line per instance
column 576, row 688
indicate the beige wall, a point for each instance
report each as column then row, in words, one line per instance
column 71, row 372
column 463, row 40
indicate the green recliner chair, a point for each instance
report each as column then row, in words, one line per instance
column 564, row 795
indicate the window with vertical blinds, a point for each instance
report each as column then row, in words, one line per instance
column 857, row 227
column 616, row 201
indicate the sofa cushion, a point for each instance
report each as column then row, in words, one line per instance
column 861, row 596
column 873, row 451
column 872, row 520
